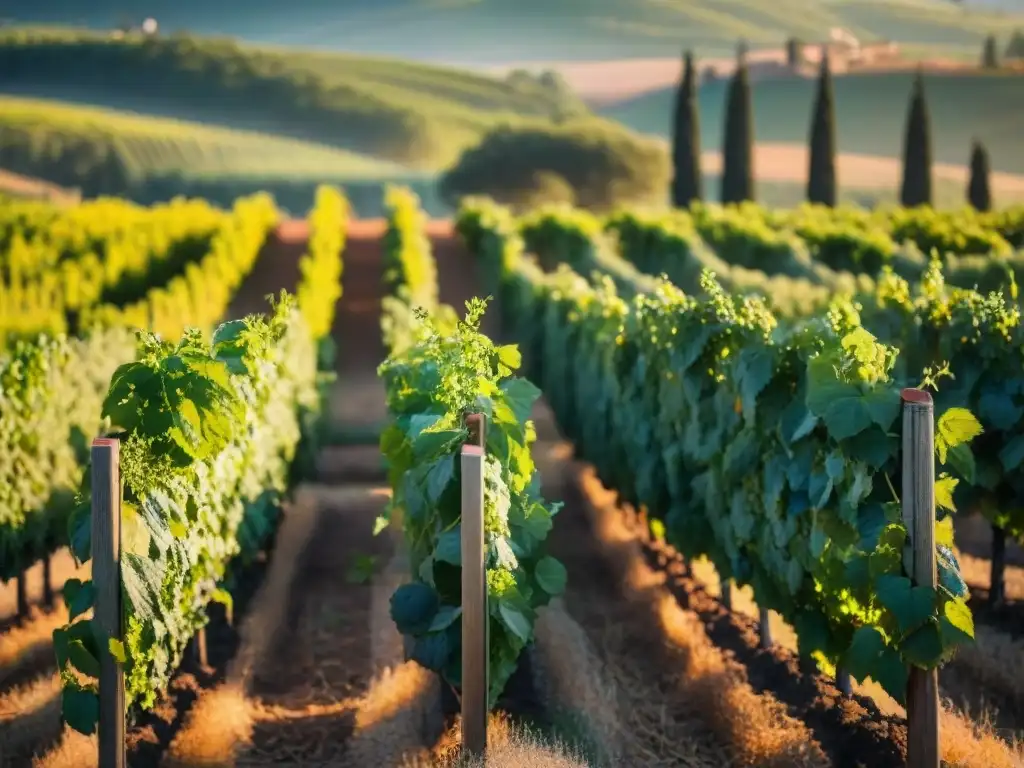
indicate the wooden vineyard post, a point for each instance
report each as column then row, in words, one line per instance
column 474, row 591
column 843, row 682
column 47, row 585
column 997, row 594
column 199, row 645
column 764, row 616
column 726, row 586
column 106, row 577
column 918, row 502
column 21, row 587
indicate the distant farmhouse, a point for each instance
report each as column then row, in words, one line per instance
column 149, row 27
column 845, row 52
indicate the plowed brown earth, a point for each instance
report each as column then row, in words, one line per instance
column 308, row 689
column 358, row 398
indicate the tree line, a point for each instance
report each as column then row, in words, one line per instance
column 822, row 183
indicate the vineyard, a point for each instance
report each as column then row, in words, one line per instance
column 721, row 486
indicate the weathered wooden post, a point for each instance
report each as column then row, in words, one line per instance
column 21, row 591
column 726, row 586
column 764, row 616
column 997, row 585
column 48, row 600
column 843, row 681
column 918, row 502
column 106, row 578
column 474, row 591
column 199, row 646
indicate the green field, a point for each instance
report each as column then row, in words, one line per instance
column 410, row 113
column 149, row 146
column 498, row 31
column 870, row 113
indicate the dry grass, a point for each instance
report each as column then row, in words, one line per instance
column 401, row 710
column 73, row 751
column 508, row 746
column 753, row 727
column 994, row 663
column 967, row 744
column 30, row 644
column 577, row 689
column 29, row 717
column 220, row 723
column 394, row 718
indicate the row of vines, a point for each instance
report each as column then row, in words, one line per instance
column 970, row 339
column 211, row 422
column 768, row 444
column 801, row 257
column 439, row 371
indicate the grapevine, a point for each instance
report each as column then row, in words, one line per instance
column 766, row 444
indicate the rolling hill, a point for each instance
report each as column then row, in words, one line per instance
column 870, row 114
column 415, row 114
column 147, row 147
column 109, row 152
column 496, row 31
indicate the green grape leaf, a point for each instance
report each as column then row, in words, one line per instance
column 231, row 345
column 891, row 673
column 961, row 459
column 520, row 394
column 445, row 617
column 551, row 576
column 949, row 571
column 944, row 531
column 865, row 649
column 431, row 443
column 82, row 658
column 117, row 650
column 513, row 618
column 840, row 406
column 413, row 607
column 509, row 359
column 957, row 623
column 79, row 597
column 911, row 606
column 439, row 476
column 923, row 647
column 431, row 650
column 80, row 533
column 449, row 546
column 944, row 487
column 955, row 427
column 80, row 709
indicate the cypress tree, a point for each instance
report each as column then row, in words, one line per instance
column 686, row 180
column 821, row 176
column 989, row 56
column 1015, row 48
column 917, row 151
column 979, row 193
column 794, row 53
column 738, row 144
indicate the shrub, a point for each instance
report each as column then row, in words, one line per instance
column 602, row 165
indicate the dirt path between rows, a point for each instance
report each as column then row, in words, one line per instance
column 308, row 690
